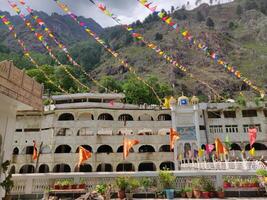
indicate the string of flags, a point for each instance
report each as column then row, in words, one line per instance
column 66, row 9
column 153, row 46
column 26, row 52
column 61, row 46
column 41, row 39
column 207, row 50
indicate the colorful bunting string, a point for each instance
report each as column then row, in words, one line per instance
column 154, row 47
column 40, row 38
column 66, row 9
column 208, row 51
column 26, row 52
column 61, row 46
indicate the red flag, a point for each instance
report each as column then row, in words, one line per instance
column 34, row 155
column 83, row 155
column 127, row 145
column 209, row 148
column 219, row 147
column 174, row 135
column 252, row 133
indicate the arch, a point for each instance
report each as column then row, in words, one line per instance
column 165, row 148
column 85, row 116
column 145, row 117
column 83, row 168
column 26, row 169
column 120, row 149
column 257, row 146
column 43, row 168
column 235, row 146
column 146, row 148
column 15, row 151
column 164, row 117
column 105, row 116
column 66, row 117
column 46, row 149
column 147, row 166
column 63, row 149
column 125, row 167
column 105, row 149
column 64, row 132
column 125, row 117
column 28, row 150
column 87, row 147
column 84, row 132
column 104, row 167
column 12, row 169
column 167, row 165
column 61, row 168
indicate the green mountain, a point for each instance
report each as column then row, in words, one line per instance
column 237, row 31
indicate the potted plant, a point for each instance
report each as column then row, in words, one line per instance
column 122, row 184
column 183, row 194
column 167, row 179
column 208, row 189
column 58, row 185
column 196, row 186
column 220, row 193
column 102, row 190
column 7, row 183
column 65, row 184
column 145, row 183
column 189, row 192
column 226, row 183
column 82, row 184
column 133, row 184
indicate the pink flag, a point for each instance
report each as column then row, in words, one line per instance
column 111, row 103
column 252, row 133
column 209, row 148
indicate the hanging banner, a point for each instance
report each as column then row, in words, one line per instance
column 26, row 52
column 208, row 51
column 40, row 38
column 252, row 133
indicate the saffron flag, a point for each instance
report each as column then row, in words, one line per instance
column 219, row 147
column 252, row 133
column 209, row 148
column 174, row 135
column 252, row 152
column 34, row 155
column 83, row 155
column 127, row 145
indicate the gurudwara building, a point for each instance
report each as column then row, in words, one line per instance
column 99, row 122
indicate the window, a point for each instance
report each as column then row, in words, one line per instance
column 229, row 114
column 31, row 130
column 18, row 130
column 246, row 127
column 249, row 113
column 231, row 128
column 265, row 112
column 202, row 128
column 216, row 129
column 215, row 114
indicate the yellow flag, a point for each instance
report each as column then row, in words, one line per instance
column 167, row 102
column 252, row 152
column 200, row 153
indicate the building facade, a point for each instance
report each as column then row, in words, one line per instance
column 99, row 122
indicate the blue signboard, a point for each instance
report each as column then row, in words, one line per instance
column 187, row 133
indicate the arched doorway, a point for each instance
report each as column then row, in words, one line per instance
column 167, row 165
column 26, row 169
column 146, row 148
column 63, row 149
column 84, row 168
column 125, row 167
column 43, row 168
column 66, row 117
column 105, row 149
column 104, row 167
column 147, row 166
column 61, row 168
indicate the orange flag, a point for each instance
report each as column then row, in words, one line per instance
column 127, row 145
column 219, row 147
column 83, row 155
column 34, row 155
column 174, row 135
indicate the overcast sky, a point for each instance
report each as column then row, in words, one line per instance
column 127, row 10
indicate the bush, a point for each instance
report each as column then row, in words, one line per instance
column 261, row 172
column 166, row 179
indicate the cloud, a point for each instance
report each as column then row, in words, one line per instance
column 127, row 10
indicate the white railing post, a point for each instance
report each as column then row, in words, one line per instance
column 29, row 185
column 219, row 180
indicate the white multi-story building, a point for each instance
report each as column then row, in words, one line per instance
column 99, row 122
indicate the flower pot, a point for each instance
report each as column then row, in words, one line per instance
column 220, row 195
column 226, row 185
column 74, row 186
column 197, row 193
column 206, row 195
column 121, row 194
column 212, row 194
column 189, row 195
column 169, row 193
column 183, row 194
column 57, row 187
column 81, row 186
column 65, row 187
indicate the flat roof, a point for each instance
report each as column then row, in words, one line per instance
column 113, row 96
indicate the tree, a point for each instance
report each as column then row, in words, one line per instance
column 111, row 83
column 158, row 36
column 250, row 5
column 200, row 16
column 239, row 10
column 210, row 23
